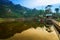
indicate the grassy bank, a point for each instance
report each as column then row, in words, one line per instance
column 8, row 29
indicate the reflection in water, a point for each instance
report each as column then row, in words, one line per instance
column 36, row 34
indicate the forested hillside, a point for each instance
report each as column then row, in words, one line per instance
column 11, row 10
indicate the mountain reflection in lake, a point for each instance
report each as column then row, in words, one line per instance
column 35, row 34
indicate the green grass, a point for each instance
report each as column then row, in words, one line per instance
column 58, row 19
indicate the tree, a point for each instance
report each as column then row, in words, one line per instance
column 48, row 8
column 57, row 10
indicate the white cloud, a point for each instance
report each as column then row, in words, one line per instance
column 36, row 3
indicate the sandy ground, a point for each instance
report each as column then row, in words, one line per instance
column 35, row 34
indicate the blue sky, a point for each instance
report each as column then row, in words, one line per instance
column 38, row 4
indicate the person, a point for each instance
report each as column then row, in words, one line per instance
column 41, row 20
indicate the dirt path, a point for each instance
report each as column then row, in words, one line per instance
column 35, row 34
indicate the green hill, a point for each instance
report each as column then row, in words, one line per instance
column 8, row 9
